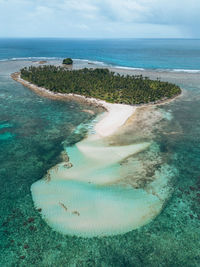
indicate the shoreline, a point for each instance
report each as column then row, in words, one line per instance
column 49, row 94
column 110, row 122
column 104, row 64
column 92, row 171
column 98, row 102
column 107, row 125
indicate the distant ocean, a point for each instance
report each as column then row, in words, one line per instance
column 171, row 54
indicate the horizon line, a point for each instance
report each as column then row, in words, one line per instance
column 100, row 38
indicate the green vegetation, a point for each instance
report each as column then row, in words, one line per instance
column 67, row 61
column 101, row 84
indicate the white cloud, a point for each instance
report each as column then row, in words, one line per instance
column 83, row 26
column 41, row 12
column 126, row 10
column 103, row 18
column 83, row 6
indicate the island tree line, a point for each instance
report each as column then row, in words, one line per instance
column 101, row 84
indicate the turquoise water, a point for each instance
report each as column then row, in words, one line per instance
column 33, row 130
column 137, row 53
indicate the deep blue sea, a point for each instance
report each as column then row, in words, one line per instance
column 137, row 53
column 34, row 131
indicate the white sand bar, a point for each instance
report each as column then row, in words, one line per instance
column 116, row 117
column 86, row 210
column 84, row 200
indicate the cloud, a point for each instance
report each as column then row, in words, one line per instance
column 100, row 18
column 125, row 10
column 153, row 11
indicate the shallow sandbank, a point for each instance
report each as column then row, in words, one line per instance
column 84, row 197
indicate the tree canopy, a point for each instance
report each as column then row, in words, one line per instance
column 67, row 61
column 100, row 84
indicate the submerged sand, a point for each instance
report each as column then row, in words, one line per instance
column 86, row 196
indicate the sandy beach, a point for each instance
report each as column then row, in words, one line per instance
column 113, row 119
column 116, row 114
column 85, row 196
column 82, row 185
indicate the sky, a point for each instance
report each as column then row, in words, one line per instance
column 100, row 18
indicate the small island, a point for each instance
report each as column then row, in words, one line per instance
column 100, row 84
column 67, row 61
column 84, row 195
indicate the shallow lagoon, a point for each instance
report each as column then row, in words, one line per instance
column 40, row 126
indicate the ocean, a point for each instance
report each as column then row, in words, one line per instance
column 173, row 54
column 34, row 131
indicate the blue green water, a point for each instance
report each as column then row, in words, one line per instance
column 32, row 132
column 137, row 53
